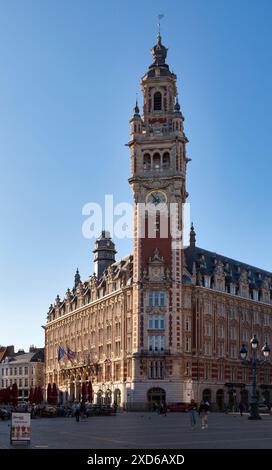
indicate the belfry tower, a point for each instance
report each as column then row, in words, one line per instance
column 158, row 179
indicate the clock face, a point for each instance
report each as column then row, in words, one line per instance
column 156, row 197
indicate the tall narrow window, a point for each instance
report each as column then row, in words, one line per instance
column 166, row 160
column 162, row 299
column 156, row 161
column 147, row 161
column 157, row 101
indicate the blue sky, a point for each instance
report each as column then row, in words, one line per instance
column 69, row 74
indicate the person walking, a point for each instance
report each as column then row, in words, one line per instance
column 203, row 413
column 241, row 408
column 77, row 412
column 192, row 413
column 83, row 409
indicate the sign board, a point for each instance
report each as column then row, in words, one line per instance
column 20, row 427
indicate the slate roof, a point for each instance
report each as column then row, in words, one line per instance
column 205, row 262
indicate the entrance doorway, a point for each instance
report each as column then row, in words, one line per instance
column 220, row 400
column 207, row 395
column 155, row 396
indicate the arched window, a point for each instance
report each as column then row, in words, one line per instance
column 166, row 160
column 147, row 161
column 156, row 161
column 157, row 101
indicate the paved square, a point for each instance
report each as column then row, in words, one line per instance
column 146, row 431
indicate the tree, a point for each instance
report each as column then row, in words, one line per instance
column 31, row 395
column 14, row 394
column 49, row 393
column 54, row 394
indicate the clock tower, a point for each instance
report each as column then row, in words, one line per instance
column 158, row 180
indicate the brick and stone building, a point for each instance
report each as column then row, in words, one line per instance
column 167, row 322
column 26, row 369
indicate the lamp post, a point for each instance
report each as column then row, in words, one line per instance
column 254, row 362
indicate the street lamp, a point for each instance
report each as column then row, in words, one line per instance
column 254, row 362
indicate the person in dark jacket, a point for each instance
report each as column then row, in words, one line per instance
column 241, row 408
column 203, row 411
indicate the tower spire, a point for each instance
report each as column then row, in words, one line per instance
column 136, row 108
column 77, row 279
column 192, row 236
column 159, row 27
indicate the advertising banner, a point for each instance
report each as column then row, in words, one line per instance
column 20, row 427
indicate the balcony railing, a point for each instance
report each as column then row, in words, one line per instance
column 153, row 352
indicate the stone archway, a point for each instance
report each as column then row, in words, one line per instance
column 220, row 399
column 108, row 396
column 117, row 396
column 207, row 395
column 156, row 396
column 99, row 397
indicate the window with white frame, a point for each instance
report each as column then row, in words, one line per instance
column 188, row 343
column 233, row 351
column 156, row 298
column 207, row 348
column 232, row 313
column 232, row 289
column 256, row 318
column 255, row 294
column 220, row 349
column 156, row 370
column 117, row 348
column 208, row 328
column 220, row 330
column 233, row 333
column 221, row 372
column 156, row 343
column 245, row 335
column 244, row 314
column 188, row 323
column 156, row 322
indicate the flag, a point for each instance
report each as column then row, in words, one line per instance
column 71, row 354
column 61, row 353
column 160, row 17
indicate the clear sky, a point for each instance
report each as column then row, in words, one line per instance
column 69, row 73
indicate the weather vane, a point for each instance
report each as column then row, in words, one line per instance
column 159, row 24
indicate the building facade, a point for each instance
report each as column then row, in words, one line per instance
column 26, row 369
column 167, row 322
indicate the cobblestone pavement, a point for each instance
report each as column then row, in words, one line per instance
column 146, row 431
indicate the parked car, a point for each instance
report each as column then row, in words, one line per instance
column 48, row 411
column 179, row 406
column 264, row 408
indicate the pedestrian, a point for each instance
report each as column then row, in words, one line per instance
column 192, row 412
column 203, row 413
column 83, row 409
column 241, row 408
column 115, row 406
column 164, row 408
column 77, row 412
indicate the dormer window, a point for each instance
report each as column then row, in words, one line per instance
column 157, row 101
